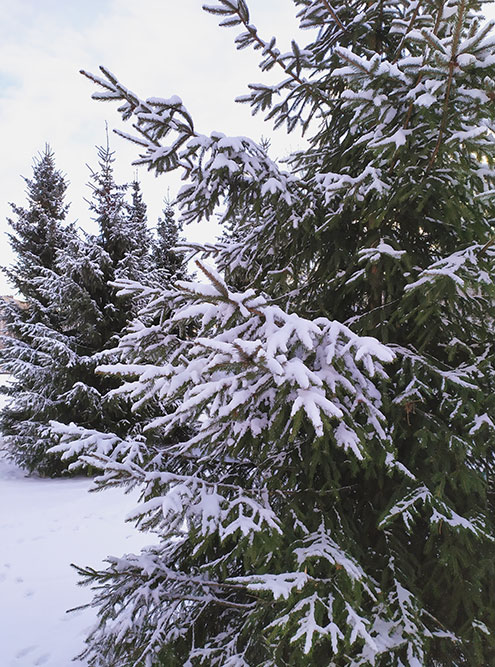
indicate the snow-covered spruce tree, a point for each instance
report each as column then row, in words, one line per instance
column 80, row 284
column 124, row 251
column 137, row 260
column 321, row 514
column 72, row 315
column 95, row 314
column 37, row 229
column 33, row 337
column 164, row 255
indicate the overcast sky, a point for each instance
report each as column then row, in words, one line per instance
column 155, row 47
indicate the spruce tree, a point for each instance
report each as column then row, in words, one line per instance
column 165, row 258
column 334, row 504
column 33, row 337
column 38, row 230
column 72, row 314
column 137, row 262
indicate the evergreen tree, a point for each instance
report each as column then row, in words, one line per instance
column 32, row 341
column 90, row 269
column 165, row 259
column 72, row 316
column 137, row 262
column 334, row 505
column 122, row 225
column 38, row 230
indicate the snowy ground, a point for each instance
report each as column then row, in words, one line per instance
column 44, row 526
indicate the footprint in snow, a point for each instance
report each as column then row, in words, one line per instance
column 24, row 651
column 42, row 659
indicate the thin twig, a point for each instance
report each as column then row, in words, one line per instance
column 409, row 28
column 452, row 65
column 489, row 243
column 334, row 15
column 254, row 34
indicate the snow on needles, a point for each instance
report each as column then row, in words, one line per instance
column 248, row 361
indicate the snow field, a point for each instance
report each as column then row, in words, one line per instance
column 45, row 525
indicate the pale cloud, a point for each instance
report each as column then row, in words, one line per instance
column 156, row 47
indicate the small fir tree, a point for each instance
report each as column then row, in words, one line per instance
column 137, row 261
column 165, row 256
column 334, row 504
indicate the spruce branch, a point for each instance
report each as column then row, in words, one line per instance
column 407, row 31
column 242, row 13
column 209, row 274
column 419, row 78
column 452, row 65
column 334, row 15
column 487, row 245
column 349, row 57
